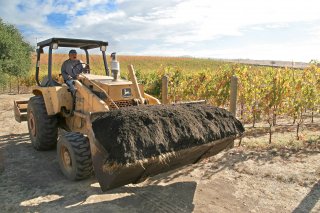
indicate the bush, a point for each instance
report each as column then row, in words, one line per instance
column 15, row 53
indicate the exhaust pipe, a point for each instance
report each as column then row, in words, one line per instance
column 115, row 67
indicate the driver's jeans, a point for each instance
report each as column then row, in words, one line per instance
column 71, row 86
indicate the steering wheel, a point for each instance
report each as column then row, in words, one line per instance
column 76, row 69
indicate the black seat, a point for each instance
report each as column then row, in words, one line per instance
column 46, row 83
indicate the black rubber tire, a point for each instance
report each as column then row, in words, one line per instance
column 44, row 133
column 78, row 148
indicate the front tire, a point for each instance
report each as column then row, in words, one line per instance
column 43, row 129
column 74, row 156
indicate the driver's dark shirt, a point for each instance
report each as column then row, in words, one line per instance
column 66, row 68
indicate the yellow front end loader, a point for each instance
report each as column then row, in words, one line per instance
column 111, row 127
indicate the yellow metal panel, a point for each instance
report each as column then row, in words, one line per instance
column 55, row 98
column 88, row 101
column 115, row 91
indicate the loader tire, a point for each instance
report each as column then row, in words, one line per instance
column 43, row 129
column 74, row 156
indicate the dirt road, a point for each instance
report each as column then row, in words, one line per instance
column 239, row 180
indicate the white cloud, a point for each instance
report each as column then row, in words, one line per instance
column 287, row 52
column 174, row 27
column 203, row 20
column 315, row 31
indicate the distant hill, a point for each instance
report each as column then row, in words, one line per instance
column 274, row 63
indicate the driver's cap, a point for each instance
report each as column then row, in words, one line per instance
column 72, row 52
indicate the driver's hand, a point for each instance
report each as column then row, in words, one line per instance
column 69, row 77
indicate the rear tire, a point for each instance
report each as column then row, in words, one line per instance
column 43, row 129
column 74, row 156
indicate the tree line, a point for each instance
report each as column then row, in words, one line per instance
column 15, row 53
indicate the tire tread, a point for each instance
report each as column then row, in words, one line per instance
column 46, row 138
column 81, row 148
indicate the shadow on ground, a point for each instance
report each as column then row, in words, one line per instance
column 32, row 182
column 310, row 200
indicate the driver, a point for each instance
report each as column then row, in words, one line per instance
column 71, row 68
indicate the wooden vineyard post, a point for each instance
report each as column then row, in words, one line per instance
column 18, row 85
column 164, row 89
column 233, row 100
column 233, row 94
column 10, row 84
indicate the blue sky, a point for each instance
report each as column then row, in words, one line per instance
column 255, row 29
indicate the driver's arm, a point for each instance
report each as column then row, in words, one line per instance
column 64, row 72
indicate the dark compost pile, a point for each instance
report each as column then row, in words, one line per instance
column 135, row 133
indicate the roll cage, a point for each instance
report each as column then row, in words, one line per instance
column 54, row 43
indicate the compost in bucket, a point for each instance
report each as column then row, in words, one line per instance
column 136, row 133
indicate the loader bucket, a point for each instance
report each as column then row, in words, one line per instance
column 133, row 143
